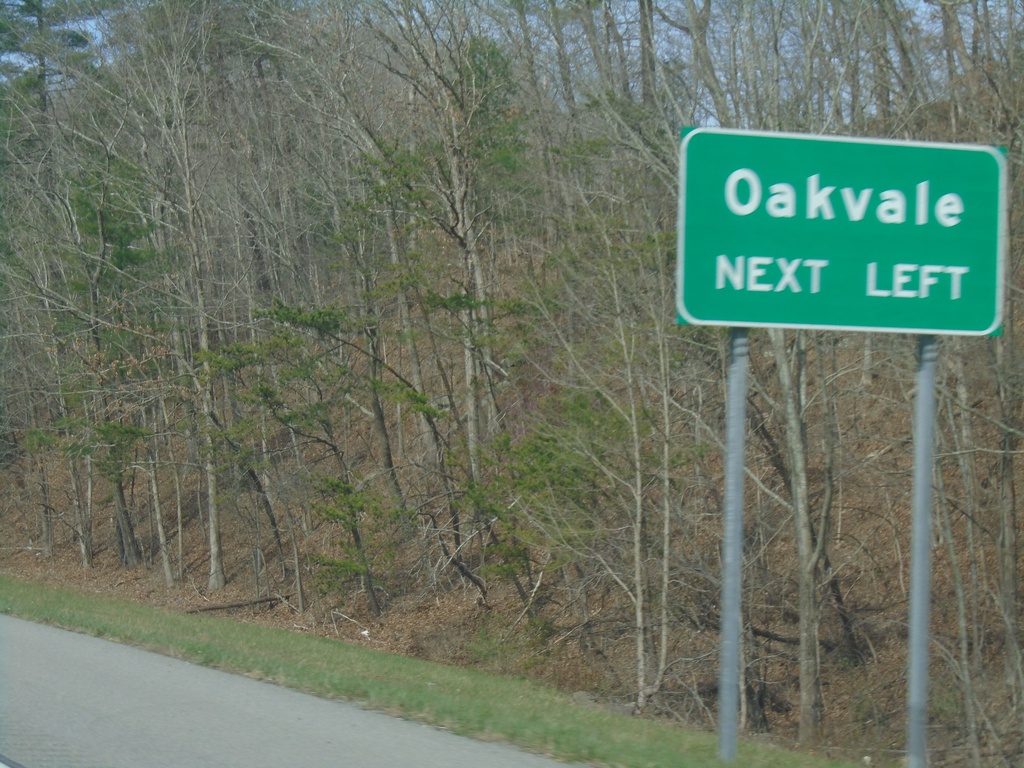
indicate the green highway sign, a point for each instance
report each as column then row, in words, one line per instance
column 794, row 231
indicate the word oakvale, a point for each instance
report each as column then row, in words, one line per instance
column 890, row 207
column 821, row 232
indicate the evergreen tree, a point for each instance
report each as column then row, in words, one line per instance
column 42, row 41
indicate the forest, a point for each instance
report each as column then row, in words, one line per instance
column 368, row 306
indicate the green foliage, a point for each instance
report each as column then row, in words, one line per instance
column 326, row 321
column 341, row 502
column 416, row 402
column 454, row 302
column 38, row 441
column 108, row 227
column 333, row 574
column 368, row 543
column 487, row 71
column 233, row 358
column 295, row 372
column 394, row 174
column 120, row 440
column 558, row 459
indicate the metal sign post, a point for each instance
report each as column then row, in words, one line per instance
column 732, row 545
column 921, row 555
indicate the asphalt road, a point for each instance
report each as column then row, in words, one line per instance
column 72, row 701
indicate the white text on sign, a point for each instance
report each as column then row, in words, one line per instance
column 763, row 274
column 916, row 281
column 744, row 193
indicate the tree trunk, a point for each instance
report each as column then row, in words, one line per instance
column 81, row 499
column 648, row 56
column 127, row 543
column 154, row 492
column 46, row 508
column 807, row 549
column 1007, row 523
column 218, row 578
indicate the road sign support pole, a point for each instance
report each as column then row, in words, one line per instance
column 920, row 564
column 732, row 545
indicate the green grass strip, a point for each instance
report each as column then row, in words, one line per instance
column 465, row 701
